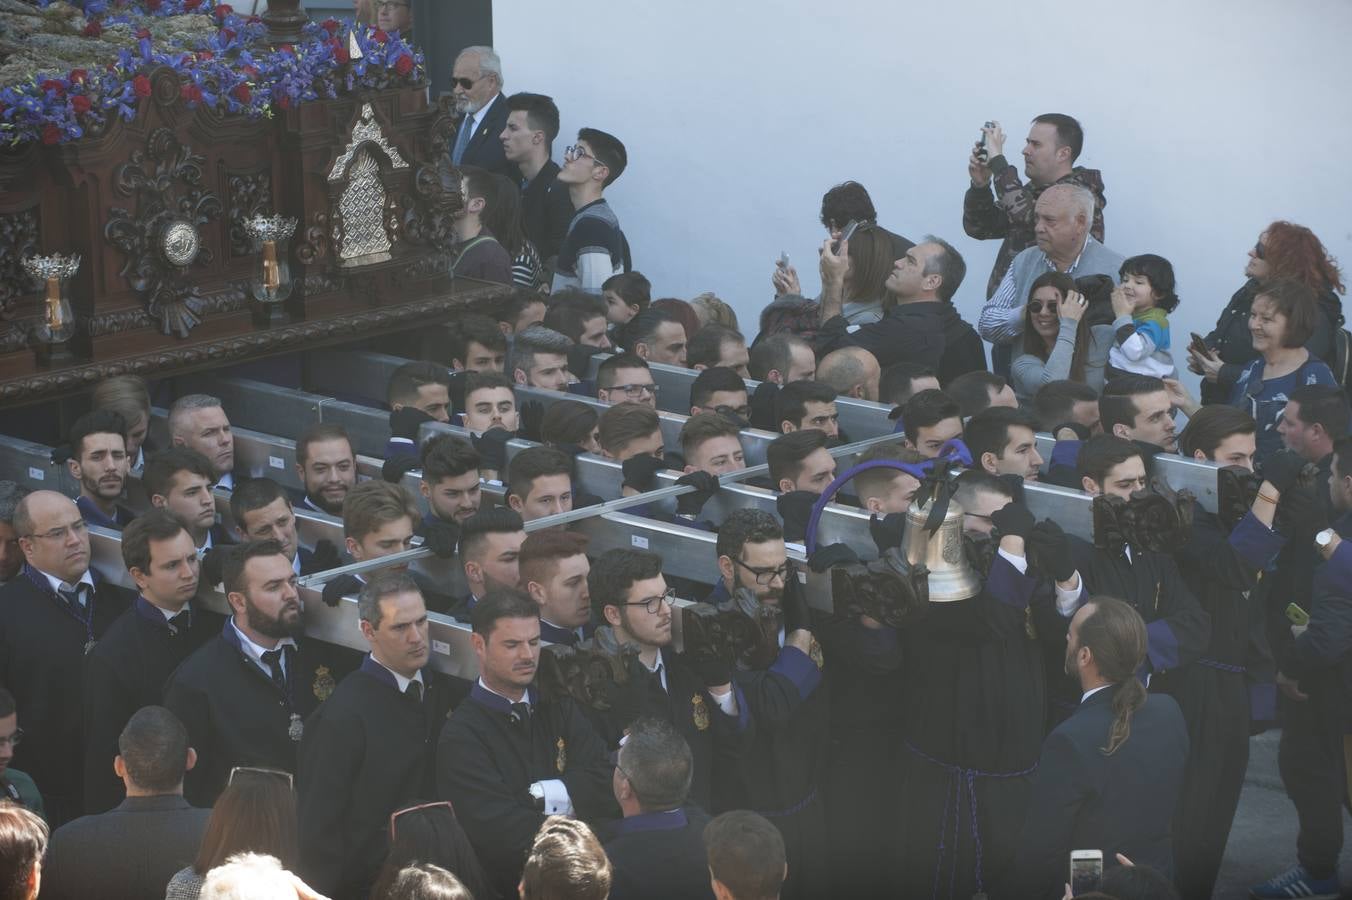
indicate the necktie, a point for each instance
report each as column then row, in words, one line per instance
column 273, row 660
column 462, row 139
column 78, row 599
column 414, row 690
column 521, row 713
column 181, row 622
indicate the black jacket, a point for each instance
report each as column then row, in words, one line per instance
column 236, row 716
column 124, row 672
column 487, row 760
column 1083, row 799
column 1321, row 658
column 546, row 211
column 1232, row 340
column 930, row 333
column 660, row 856
column 485, row 148
column 42, row 652
column 367, row 751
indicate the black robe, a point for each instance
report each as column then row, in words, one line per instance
column 487, row 760
column 42, row 652
column 973, row 701
column 1229, row 684
column 368, row 751
column 125, row 671
column 237, row 716
column 660, row 856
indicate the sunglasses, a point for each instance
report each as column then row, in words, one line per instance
column 1036, row 306
column 466, row 83
column 255, row 770
column 394, row 816
column 1258, row 250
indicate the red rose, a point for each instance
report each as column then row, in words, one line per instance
column 228, row 34
column 93, row 29
column 251, row 71
column 51, row 135
column 330, row 25
column 254, row 20
column 379, row 36
column 287, row 48
column 143, row 34
column 205, row 55
column 79, row 104
column 241, row 93
column 190, row 5
column 152, row 5
column 78, row 76
column 55, row 87
column 284, row 102
column 223, row 10
column 403, row 65
column 140, row 85
column 341, row 56
column 191, row 93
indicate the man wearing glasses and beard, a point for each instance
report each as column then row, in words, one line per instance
column 245, row 694
column 476, row 86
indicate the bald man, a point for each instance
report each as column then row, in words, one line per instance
column 852, row 371
column 1062, row 218
column 50, row 616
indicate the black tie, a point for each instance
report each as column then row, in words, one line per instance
column 414, row 690
column 521, row 713
column 77, row 599
column 273, row 660
column 180, row 623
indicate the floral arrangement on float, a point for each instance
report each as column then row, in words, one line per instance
column 68, row 68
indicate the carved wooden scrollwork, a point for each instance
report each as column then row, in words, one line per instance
column 163, row 236
column 250, row 194
column 18, row 238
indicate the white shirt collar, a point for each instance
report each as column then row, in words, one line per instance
column 226, row 482
column 525, row 697
column 1092, row 691
column 255, row 651
column 169, row 613
column 295, row 563
column 58, row 585
column 659, row 667
column 399, row 679
column 1073, row 266
column 477, row 118
column 206, row 545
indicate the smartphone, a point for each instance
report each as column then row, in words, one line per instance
column 1297, row 614
column 1199, row 345
column 783, row 261
column 982, row 153
column 850, row 228
column 1086, row 871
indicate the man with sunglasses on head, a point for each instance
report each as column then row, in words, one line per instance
column 594, row 248
column 51, row 615
column 781, row 771
column 476, row 86
column 699, row 697
column 369, row 749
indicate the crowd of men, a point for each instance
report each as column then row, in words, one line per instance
column 1095, row 691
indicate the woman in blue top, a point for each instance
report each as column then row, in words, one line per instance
column 1282, row 318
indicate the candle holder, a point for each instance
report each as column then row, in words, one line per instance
column 271, row 283
column 53, row 331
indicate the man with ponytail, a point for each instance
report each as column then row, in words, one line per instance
column 1109, row 776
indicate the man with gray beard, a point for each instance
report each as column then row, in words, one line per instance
column 476, row 85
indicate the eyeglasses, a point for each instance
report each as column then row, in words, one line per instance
column 654, row 604
column 60, row 534
column 765, row 577
column 577, row 151
column 636, row 390
column 390, row 5
column 1036, row 306
column 394, row 816
column 466, row 83
column 256, row 770
column 13, row 739
column 1258, row 250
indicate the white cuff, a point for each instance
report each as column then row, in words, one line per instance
column 1018, row 562
column 557, row 801
column 727, row 703
column 1068, row 599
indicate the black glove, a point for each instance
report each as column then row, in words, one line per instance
column 61, row 453
column 396, row 467
column 1015, row 485
column 712, row 671
column 338, row 587
column 640, row 472
column 796, row 612
column 795, row 508
column 732, row 416
column 326, row 555
column 1282, row 469
column 213, row 566
column 441, row 537
column 579, row 360
column 824, row 558
column 705, row 486
column 888, row 531
column 405, row 420
column 530, row 420
column 1048, row 550
column 1014, row 520
column 492, row 447
column 763, row 407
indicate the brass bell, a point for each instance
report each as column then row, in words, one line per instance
column 951, row 577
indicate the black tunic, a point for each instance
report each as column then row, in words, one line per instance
column 486, row 763
column 236, row 716
column 716, row 739
column 42, row 651
column 125, row 671
column 973, row 702
column 1231, row 682
column 660, row 856
column 367, row 751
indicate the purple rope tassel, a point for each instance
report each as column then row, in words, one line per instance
column 961, row 779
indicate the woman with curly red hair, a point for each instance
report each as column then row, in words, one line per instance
column 1283, row 251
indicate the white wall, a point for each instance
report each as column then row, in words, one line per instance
column 1209, row 119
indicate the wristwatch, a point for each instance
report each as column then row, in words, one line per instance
column 1324, row 538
